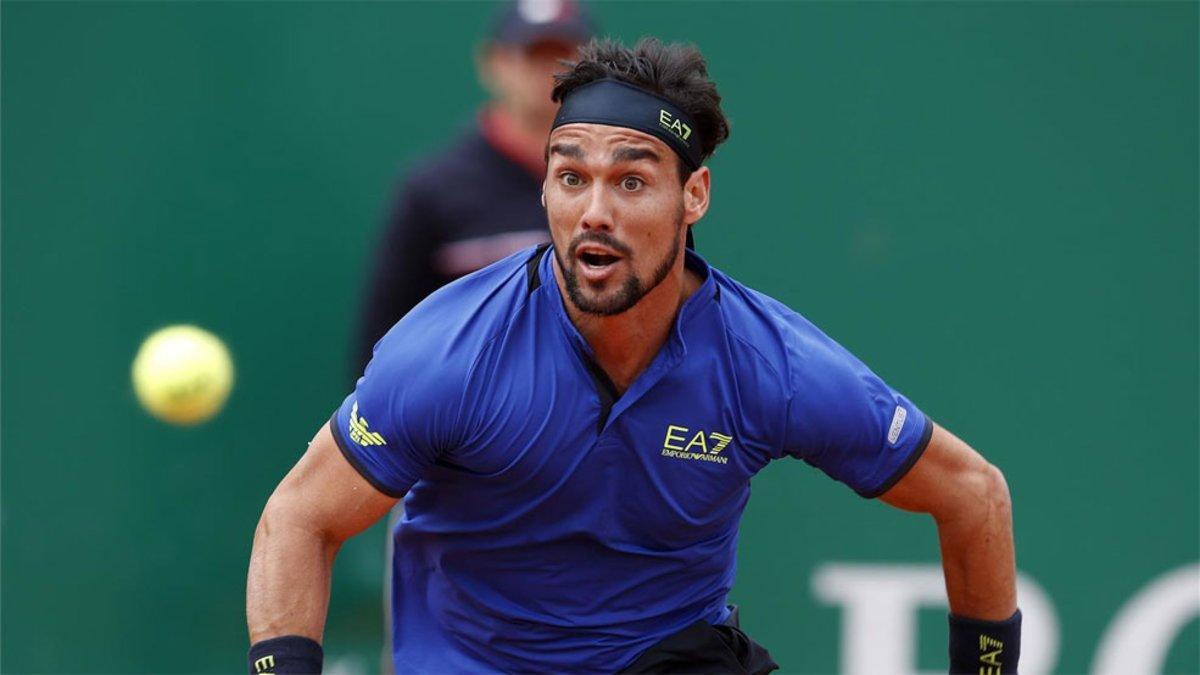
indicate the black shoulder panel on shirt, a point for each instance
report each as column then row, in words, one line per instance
column 605, row 388
column 531, row 268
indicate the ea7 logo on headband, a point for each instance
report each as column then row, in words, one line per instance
column 672, row 124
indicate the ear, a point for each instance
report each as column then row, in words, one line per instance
column 543, row 198
column 696, row 192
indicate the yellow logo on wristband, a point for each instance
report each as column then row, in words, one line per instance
column 264, row 664
column 990, row 660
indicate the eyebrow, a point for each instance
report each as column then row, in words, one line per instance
column 566, row 150
column 634, row 154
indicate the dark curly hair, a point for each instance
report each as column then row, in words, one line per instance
column 675, row 71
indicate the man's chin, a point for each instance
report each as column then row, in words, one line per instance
column 616, row 300
column 599, row 305
column 608, row 296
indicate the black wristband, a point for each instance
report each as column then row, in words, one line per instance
column 287, row 655
column 985, row 647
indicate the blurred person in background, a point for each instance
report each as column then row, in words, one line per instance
column 477, row 201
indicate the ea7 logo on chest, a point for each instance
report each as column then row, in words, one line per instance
column 683, row 443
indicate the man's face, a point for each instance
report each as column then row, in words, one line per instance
column 523, row 76
column 617, row 213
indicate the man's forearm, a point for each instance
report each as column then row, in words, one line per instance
column 287, row 589
column 978, row 558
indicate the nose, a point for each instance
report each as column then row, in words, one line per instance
column 598, row 215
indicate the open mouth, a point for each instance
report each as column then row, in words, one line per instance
column 597, row 259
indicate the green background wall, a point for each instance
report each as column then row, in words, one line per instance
column 993, row 204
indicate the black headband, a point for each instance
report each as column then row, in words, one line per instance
column 620, row 104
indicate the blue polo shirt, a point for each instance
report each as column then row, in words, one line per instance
column 552, row 525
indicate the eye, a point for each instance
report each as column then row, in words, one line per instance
column 631, row 183
column 570, row 179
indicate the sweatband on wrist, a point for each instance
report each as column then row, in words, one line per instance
column 620, row 104
column 287, row 655
column 985, row 647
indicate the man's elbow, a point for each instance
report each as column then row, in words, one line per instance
column 285, row 517
column 271, row 522
column 983, row 496
column 997, row 495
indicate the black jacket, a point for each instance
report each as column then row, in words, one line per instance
column 456, row 212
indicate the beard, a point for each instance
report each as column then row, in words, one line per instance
column 630, row 291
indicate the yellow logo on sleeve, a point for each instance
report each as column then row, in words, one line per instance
column 360, row 432
column 682, row 443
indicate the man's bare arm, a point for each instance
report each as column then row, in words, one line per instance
column 322, row 502
column 968, row 499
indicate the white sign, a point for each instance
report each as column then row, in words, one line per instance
column 879, row 619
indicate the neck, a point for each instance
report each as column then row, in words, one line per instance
column 625, row 344
column 521, row 140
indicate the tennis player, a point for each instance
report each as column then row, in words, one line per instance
column 573, row 430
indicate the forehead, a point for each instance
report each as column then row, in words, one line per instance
column 597, row 141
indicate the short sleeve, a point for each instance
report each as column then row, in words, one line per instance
column 399, row 418
column 846, row 421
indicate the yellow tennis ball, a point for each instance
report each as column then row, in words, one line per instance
column 182, row 374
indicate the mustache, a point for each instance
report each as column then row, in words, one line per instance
column 602, row 238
